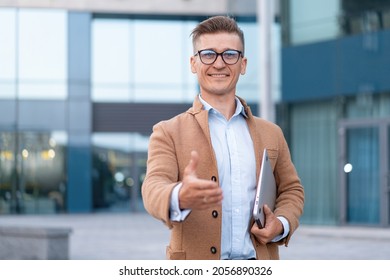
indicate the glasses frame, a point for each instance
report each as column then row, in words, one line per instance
column 219, row 54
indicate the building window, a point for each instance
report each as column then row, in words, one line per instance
column 119, row 166
column 33, row 54
column 142, row 61
column 7, row 53
column 41, row 45
column 33, row 168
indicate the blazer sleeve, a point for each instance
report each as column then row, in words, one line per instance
column 161, row 174
column 290, row 199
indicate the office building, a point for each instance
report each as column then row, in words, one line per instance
column 83, row 82
column 336, row 99
column 81, row 85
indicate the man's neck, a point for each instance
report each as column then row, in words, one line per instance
column 225, row 104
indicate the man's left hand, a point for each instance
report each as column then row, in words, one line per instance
column 273, row 227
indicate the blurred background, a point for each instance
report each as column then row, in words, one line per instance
column 82, row 83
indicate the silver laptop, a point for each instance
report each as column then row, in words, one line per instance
column 266, row 191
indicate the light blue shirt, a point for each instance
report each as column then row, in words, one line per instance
column 235, row 155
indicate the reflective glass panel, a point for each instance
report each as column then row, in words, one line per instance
column 33, row 168
column 362, row 168
column 163, row 49
column 7, row 53
column 42, row 54
column 142, row 61
column 247, row 86
column 119, row 166
column 111, row 65
column 313, row 21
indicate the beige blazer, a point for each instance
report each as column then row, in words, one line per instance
column 199, row 235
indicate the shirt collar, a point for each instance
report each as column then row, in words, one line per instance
column 239, row 108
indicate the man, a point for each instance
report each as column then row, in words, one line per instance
column 203, row 165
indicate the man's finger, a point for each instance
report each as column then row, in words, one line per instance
column 267, row 213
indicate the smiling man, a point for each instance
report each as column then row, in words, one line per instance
column 203, row 164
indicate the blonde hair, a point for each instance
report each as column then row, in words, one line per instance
column 217, row 24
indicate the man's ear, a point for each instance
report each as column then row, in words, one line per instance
column 243, row 65
column 192, row 63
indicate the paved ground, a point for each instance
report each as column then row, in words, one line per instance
column 338, row 243
column 121, row 236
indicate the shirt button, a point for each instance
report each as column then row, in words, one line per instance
column 214, row 179
column 213, row 250
column 215, row 213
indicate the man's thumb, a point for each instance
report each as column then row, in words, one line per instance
column 193, row 164
column 267, row 210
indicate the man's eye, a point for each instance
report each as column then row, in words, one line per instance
column 230, row 54
column 208, row 54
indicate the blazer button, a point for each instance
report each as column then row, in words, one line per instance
column 214, row 179
column 213, row 250
column 215, row 213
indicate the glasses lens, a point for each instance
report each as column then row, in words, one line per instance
column 230, row 56
column 208, row 56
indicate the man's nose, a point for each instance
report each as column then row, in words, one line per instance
column 219, row 61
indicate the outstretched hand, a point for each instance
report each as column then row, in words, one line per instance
column 198, row 193
column 273, row 227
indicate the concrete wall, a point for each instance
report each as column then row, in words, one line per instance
column 34, row 243
column 176, row 7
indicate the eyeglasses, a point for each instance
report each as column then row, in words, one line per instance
column 208, row 57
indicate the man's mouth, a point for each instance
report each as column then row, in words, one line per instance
column 218, row 75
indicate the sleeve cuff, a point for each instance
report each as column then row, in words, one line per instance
column 175, row 213
column 286, row 229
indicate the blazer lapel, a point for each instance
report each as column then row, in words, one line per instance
column 202, row 117
column 258, row 144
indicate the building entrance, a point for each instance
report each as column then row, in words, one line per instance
column 364, row 171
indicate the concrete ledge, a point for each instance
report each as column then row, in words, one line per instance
column 34, row 243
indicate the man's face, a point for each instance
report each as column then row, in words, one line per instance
column 218, row 78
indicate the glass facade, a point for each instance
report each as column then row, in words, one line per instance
column 55, row 65
column 363, row 186
column 141, row 61
column 33, row 145
column 339, row 152
column 33, row 169
column 387, row 178
column 119, row 166
column 8, row 53
column 145, row 61
column 335, row 89
column 33, row 54
column 138, row 60
column 311, row 21
column 313, row 143
column 42, row 57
